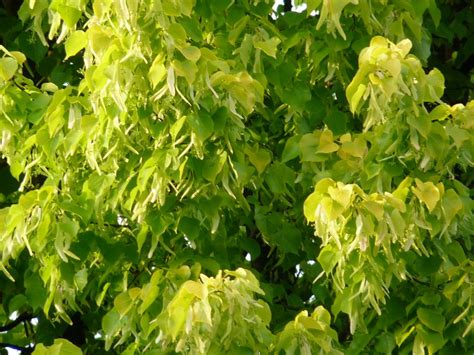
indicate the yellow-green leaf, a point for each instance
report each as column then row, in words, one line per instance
column 310, row 205
column 20, row 57
column 451, row 204
column 402, row 190
column 326, row 142
column 260, row 158
column 291, row 149
column 376, row 208
column 178, row 32
column 178, row 7
column 440, row 112
column 357, row 148
column 191, row 52
column 421, row 123
column 355, row 98
column 342, row 194
column 195, row 288
column 427, row 192
column 75, row 42
column 123, row 303
column 157, row 71
column 8, row 68
column 269, row 46
column 60, row 347
column 187, row 69
column 328, row 258
column 237, row 30
column 432, row 319
column 405, row 46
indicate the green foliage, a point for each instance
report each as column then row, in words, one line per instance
column 60, row 347
column 218, row 176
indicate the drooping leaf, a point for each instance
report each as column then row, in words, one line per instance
column 75, row 42
column 8, row 68
column 432, row 319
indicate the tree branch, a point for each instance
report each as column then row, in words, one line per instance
column 23, row 317
column 24, row 350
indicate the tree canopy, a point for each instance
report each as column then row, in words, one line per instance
column 232, row 176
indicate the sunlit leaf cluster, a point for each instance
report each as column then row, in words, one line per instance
column 204, row 177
